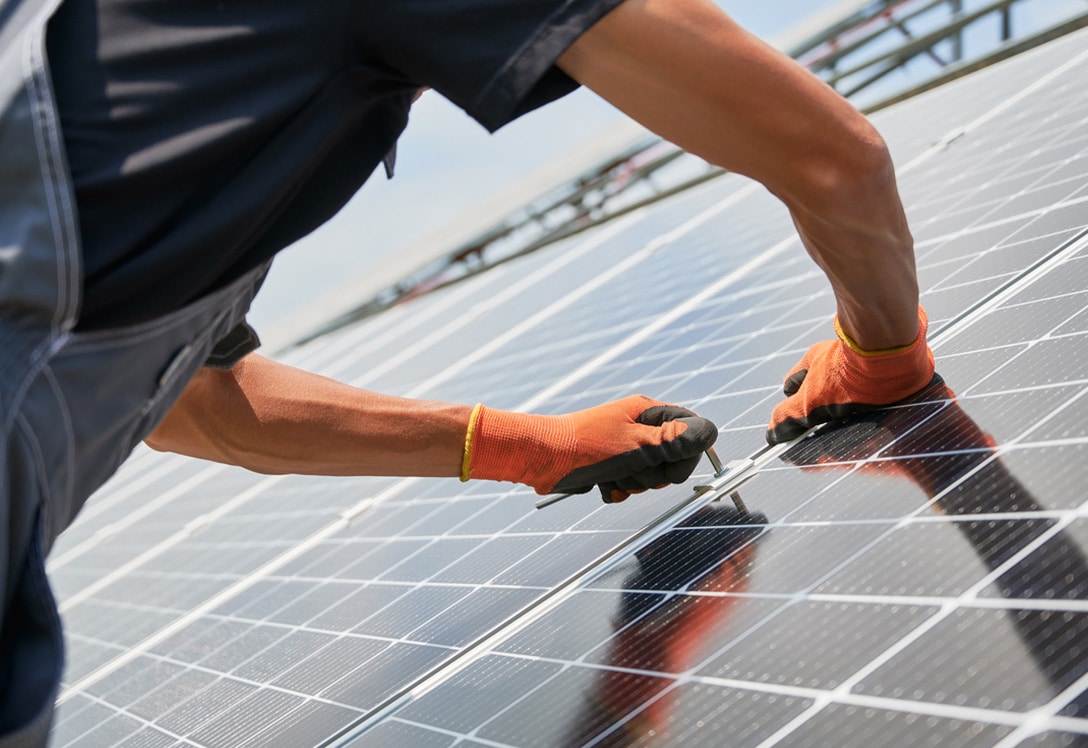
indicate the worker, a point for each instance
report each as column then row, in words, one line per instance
column 155, row 156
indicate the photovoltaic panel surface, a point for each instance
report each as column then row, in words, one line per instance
column 909, row 577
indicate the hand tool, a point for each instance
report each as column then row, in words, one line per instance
column 710, row 453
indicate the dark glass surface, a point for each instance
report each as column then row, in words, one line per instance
column 591, row 702
column 230, row 654
column 171, row 693
column 483, row 688
column 575, row 627
column 356, row 606
column 411, row 611
column 860, row 727
column 217, row 700
column 318, row 672
column 256, row 713
column 474, row 615
column 393, row 734
column 1057, row 569
column 135, row 680
column 816, row 644
column 295, row 647
column 382, row 676
column 300, row 725
column 433, row 558
column 716, row 597
column 1012, row 660
column 1056, row 740
column 489, row 559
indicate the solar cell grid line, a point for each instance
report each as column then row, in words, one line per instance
column 212, row 470
column 577, row 303
column 440, row 350
column 1018, row 227
column 209, row 605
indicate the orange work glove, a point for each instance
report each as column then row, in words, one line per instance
column 836, row 379
column 623, row 447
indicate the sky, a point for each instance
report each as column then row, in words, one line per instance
column 447, row 164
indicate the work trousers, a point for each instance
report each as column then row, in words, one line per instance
column 73, row 404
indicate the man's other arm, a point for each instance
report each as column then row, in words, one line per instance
column 686, row 71
column 272, row 418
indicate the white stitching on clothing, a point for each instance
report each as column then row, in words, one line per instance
column 60, row 207
column 32, row 85
column 39, row 358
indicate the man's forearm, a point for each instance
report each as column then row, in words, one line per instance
column 865, row 248
column 273, row 418
column 686, row 71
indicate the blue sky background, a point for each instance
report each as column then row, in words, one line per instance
column 447, row 164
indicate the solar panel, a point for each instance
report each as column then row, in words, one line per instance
column 913, row 576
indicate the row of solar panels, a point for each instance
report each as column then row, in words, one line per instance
column 902, row 580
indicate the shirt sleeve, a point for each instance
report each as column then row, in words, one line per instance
column 493, row 58
column 238, row 343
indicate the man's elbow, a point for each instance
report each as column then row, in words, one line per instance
column 190, row 426
column 157, row 441
column 847, row 173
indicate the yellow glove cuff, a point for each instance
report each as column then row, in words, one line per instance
column 470, row 435
column 861, row 351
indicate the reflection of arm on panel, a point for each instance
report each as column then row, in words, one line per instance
column 700, row 566
column 954, row 461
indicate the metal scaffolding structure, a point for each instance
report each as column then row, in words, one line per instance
column 876, row 53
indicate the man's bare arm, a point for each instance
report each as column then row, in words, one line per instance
column 686, row 71
column 272, row 418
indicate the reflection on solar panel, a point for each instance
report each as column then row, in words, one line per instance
column 913, row 577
